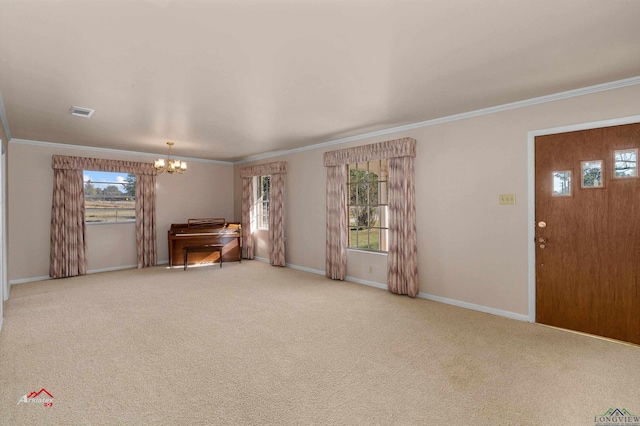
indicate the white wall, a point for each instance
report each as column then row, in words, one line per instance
column 205, row 190
column 471, row 251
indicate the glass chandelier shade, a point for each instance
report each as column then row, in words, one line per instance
column 170, row 165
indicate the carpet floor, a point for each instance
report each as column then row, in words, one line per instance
column 252, row 344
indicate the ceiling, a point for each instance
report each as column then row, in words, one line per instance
column 231, row 79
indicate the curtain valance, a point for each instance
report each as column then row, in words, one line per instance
column 405, row 147
column 63, row 162
column 279, row 167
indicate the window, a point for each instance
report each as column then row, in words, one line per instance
column 592, row 174
column 367, row 205
column 625, row 163
column 562, row 183
column 263, row 187
column 109, row 197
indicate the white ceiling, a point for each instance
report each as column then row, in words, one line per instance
column 230, row 79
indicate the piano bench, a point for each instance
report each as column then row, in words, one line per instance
column 208, row 248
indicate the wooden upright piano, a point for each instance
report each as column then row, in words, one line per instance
column 201, row 232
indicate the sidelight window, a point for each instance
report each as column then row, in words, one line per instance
column 263, row 188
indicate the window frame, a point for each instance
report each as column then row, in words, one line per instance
column 382, row 206
column 634, row 160
column 125, row 197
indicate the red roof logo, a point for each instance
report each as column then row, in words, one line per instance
column 37, row 394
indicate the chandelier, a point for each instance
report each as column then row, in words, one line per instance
column 170, row 165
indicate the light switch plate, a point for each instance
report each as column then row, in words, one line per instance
column 507, row 199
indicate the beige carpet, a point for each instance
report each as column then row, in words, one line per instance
column 251, row 344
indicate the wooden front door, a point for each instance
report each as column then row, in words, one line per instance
column 588, row 231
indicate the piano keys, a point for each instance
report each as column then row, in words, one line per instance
column 201, row 232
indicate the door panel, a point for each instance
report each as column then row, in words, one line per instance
column 588, row 261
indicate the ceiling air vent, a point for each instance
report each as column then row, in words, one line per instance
column 81, row 112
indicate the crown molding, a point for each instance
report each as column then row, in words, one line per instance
column 462, row 116
column 112, row 151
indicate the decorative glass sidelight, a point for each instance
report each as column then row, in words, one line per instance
column 625, row 163
column 592, row 174
column 561, row 183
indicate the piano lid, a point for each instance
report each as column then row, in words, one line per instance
column 207, row 223
column 212, row 226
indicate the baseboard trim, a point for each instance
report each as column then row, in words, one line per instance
column 1, row 321
column 304, row 269
column 291, row 265
column 445, row 300
column 113, row 268
column 29, row 280
column 92, row 271
column 448, row 301
column 474, row 307
column 381, row 286
column 453, row 302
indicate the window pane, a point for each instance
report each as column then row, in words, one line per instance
column 592, row 174
column 373, row 190
column 378, row 216
column 109, row 197
column 562, row 183
column 357, row 216
column 358, row 238
column 358, row 194
column 374, row 239
column 263, row 187
column 352, row 194
column 357, row 174
column 266, row 186
column 626, row 163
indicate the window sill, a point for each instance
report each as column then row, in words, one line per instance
column 124, row 222
column 383, row 253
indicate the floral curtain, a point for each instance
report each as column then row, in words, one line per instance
column 276, row 220
column 146, row 243
column 247, row 217
column 402, row 261
column 402, row 267
column 68, row 248
column 276, row 209
column 68, row 228
column 337, row 237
